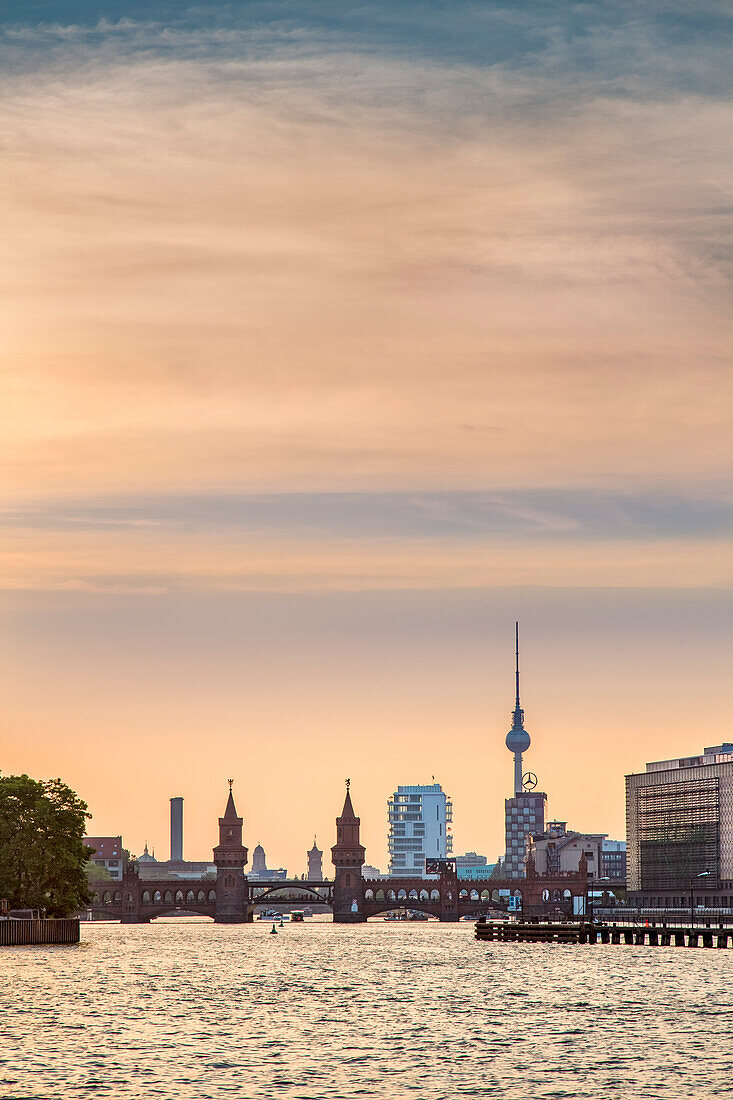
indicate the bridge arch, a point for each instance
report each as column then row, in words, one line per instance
column 375, row 909
column 290, row 888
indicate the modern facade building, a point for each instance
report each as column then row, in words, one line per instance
column 315, row 863
column 559, row 850
column 473, row 866
column 108, row 853
column 679, row 831
column 524, row 813
column 419, row 828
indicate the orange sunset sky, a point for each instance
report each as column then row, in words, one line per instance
column 336, row 338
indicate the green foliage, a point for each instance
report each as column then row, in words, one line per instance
column 42, row 857
column 95, row 872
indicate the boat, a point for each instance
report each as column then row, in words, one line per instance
column 297, row 916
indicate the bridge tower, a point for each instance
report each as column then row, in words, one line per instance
column 230, row 857
column 347, row 856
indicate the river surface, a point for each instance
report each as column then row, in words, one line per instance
column 188, row 1010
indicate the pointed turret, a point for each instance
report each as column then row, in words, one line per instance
column 230, row 832
column 347, row 814
column 230, row 813
column 347, row 856
column 230, row 857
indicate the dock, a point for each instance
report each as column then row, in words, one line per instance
column 17, row 932
column 654, row 935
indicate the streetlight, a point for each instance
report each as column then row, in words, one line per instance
column 692, row 896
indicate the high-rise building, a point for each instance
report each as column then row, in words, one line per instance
column 419, row 828
column 524, row 813
column 679, row 830
column 315, row 863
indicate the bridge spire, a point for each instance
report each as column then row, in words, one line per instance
column 230, row 857
column 347, row 856
column 347, row 814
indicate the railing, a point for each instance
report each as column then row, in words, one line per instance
column 629, row 914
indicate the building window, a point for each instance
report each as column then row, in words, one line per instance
column 678, row 829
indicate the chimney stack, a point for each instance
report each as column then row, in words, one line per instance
column 177, row 829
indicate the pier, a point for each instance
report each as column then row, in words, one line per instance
column 654, row 935
column 17, row 932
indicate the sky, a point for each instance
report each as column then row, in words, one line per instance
column 336, row 337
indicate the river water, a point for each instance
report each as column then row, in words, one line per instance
column 188, row 1010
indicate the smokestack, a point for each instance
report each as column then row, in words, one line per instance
column 177, row 829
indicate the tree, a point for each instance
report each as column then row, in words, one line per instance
column 42, row 856
column 96, row 872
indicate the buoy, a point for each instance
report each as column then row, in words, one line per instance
column 273, row 931
column 281, row 924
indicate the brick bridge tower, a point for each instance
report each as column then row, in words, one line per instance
column 347, row 856
column 230, row 857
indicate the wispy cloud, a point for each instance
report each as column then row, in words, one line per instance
column 589, row 515
column 275, row 246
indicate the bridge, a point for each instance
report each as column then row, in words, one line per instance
column 231, row 897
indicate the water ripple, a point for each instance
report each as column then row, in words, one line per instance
column 189, row 1010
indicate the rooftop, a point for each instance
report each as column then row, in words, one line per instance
column 716, row 754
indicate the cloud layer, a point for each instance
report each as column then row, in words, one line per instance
column 333, row 247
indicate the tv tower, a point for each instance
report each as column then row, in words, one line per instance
column 517, row 740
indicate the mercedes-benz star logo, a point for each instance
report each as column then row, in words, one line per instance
column 529, row 781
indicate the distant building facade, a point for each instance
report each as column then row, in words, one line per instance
column 473, row 866
column 559, row 850
column 419, row 828
column 679, row 831
column 369, row 871
column 613, row 860
column 315, row 863
column 174, row 869
column 260, row 869
column 108, row 853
